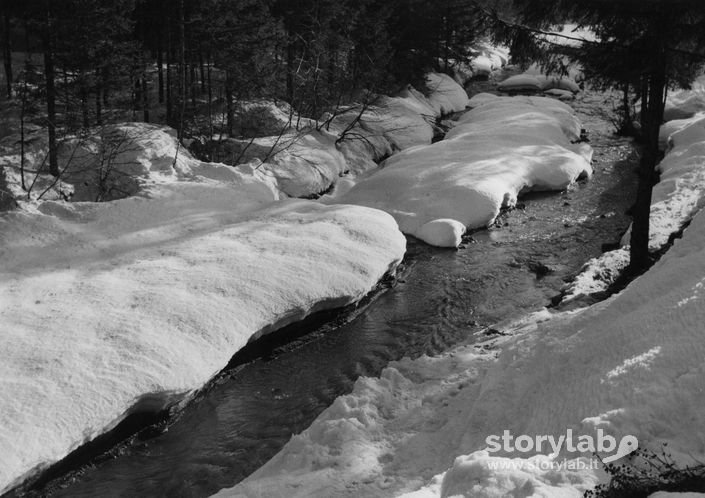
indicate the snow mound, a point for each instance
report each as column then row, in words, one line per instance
column 446, row 96
column 481, row 98
column 521, row 82
column 303, row 164
column 442, row 233
column 560, row 94
column 683, row 104
column 107, row 163
column 260, row 118
column 112, row 308
column 481, row 65
column 497, row 151
column 597, row 274
column 481, row 475
column 536, row 82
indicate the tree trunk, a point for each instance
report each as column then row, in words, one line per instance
column 169, row 53
column 98, row 101
column 210, row 100
column 84, row 105
column 230, row 113
column 50, row 94
column 145, row 99
column 160, row 71
column 652, row 114
column 7, row 53
column 290, row 71
column 202, row 71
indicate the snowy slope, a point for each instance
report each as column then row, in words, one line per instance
column 497, row 150
column 629, row 365
column 111, row 308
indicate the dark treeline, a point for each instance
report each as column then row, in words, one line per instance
column 82, row 63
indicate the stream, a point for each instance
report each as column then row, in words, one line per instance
column 440, row 297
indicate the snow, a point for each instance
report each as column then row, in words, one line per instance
column 498, row 150
column 442, row 233
column 481, row 99
column 112, row 308
column 680, row 192
column 597, row 274
column 446, row 95
column 482, row 475
column 520, row 82
column 537, row 82
column 630, row 365
column 481, row 65
column 683, row 104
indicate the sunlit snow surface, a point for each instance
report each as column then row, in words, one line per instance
column 107, row 308
column 502, row 147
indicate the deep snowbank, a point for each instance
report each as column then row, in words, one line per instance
column 631, row 365
column 499, row 149
column 309, row 162
column 107, row 308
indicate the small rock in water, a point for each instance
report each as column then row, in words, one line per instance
column 540, row 269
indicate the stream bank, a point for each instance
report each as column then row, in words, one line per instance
column 441, row 297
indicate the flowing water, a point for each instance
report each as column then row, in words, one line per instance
column 440, row 297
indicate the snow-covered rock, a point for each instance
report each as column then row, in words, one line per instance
column 446, row 96
column 498, row 150
column 481, row 65
column 521, row 82
column 481, row 98
column 532, row 82
column 442, row 233
column 111, row 308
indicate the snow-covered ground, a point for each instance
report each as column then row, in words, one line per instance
column 631, row 365
column 503, row 147
column 111, row 308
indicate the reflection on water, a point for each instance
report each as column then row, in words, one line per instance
column 441, row 298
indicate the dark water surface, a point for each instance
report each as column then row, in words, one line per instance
column 441, row 297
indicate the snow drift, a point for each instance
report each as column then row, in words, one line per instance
column 111, row 308
column 499, row 149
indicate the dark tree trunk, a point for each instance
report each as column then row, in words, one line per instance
column 145, row 99
column 160, row 71
column 50, row 94
column 202, row 68
column 652, row 116
column 210, row 99
column 169, row 59
column 193, row 84
column 182, row 69
column 290, row 71
column 84, row 106
column 230, row 114
column 98, row 101
column 7, row 53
